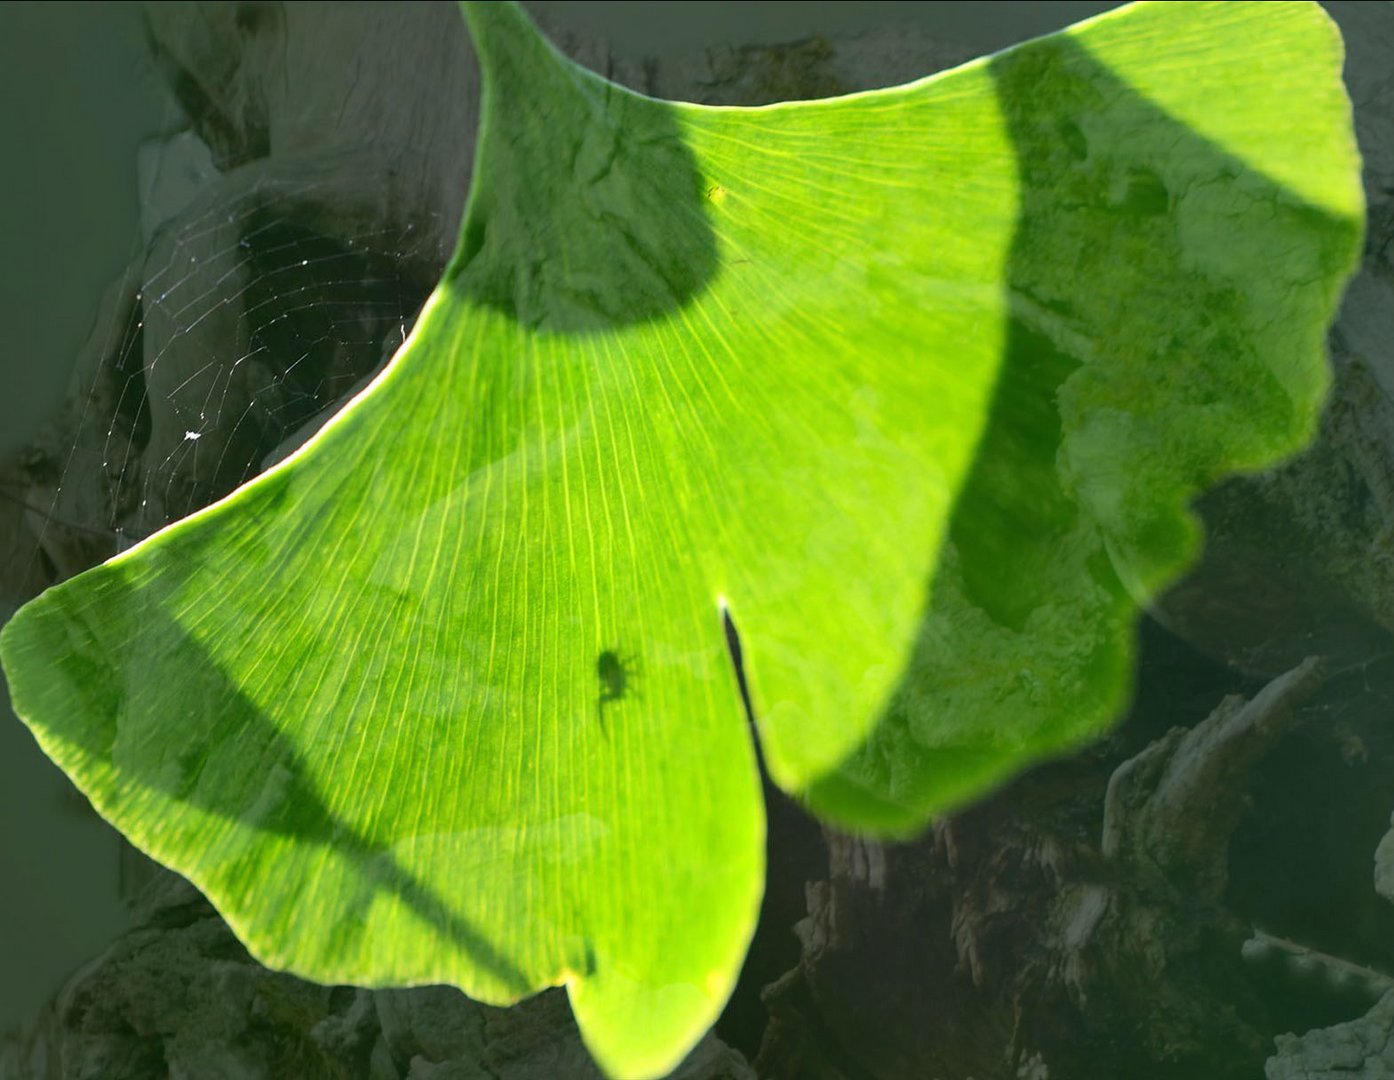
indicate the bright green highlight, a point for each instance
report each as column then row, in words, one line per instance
column 917, row 382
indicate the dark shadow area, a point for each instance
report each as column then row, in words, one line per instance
column 795, row 854
column 1099, row 375
column 733, row 649
column 619, row 236
column 1302, row 858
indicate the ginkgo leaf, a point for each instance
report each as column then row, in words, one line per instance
column 914, row 384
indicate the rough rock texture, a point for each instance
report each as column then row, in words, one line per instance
column 1359, row 1050
column 177, row 996
column 1163, row 904
column 1047, row 928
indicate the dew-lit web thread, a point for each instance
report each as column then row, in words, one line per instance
column 379, row 304
column 197, row 309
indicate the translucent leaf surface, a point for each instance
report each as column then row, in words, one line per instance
column 915, row 383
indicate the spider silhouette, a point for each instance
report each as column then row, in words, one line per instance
column 617, row 675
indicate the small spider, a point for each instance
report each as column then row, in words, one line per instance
column 617, row 675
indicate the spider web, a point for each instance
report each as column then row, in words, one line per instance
column 256, row 310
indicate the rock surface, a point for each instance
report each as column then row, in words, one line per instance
column 178, row 996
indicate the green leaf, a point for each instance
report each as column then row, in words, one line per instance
column 916, row 383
